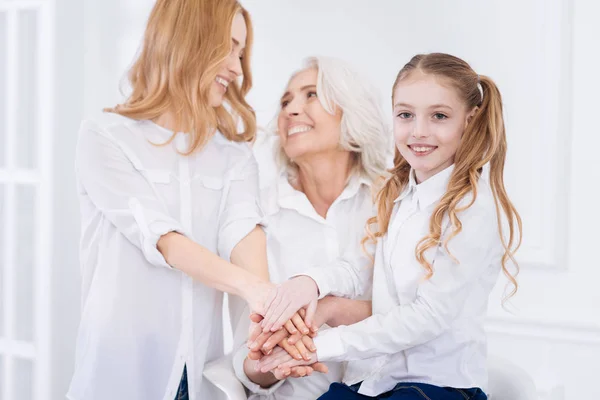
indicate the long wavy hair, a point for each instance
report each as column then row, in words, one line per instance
column 483, row 142
column 184, row 44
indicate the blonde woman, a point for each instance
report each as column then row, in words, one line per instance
column 168, row 194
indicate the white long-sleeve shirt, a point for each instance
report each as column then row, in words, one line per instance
column 297, row 238
column 424, row 331
column 142, row 321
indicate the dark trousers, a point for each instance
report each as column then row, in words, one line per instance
column 404, row 391
column 182, row 392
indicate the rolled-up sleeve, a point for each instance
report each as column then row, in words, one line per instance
column 242, row 211
column 438, row 302
column 121, row 193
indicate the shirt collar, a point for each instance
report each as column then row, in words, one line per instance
column 430, row 191
column 289, row 197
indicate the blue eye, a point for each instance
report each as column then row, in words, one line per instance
column 440, row 116
column 404, row 115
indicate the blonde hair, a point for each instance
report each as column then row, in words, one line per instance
column 483, row 142
column 364, row 132
column 184, row 44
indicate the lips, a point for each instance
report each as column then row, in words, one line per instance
column 421, row 149
column 222, row 81
column 298, row 129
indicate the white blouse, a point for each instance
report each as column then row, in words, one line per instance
column 424, row 331
column 142, row 321
column 297, row 238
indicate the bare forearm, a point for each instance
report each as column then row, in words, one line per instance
column 264, row 379
column 205, row 266
column 347, row 311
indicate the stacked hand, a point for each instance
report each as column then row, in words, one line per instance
column 294, row 339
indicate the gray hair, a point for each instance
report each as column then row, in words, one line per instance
column 363, row 128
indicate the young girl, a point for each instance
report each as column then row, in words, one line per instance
column 168, row 190
column 440, row 245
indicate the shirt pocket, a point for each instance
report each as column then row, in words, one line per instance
column 209, row 197
column 165, row 187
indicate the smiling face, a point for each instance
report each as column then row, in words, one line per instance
column 231, row 67
column 429, row 121
column 305, row 128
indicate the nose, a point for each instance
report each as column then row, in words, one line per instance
column 420, row 129
column 235, row 65
column 293, row 108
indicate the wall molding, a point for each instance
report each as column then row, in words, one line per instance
column 555, row 331
column 552, row 86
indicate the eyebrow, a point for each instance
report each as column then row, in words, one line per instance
column 432, row 106
column 236, row 42
column 302, row 89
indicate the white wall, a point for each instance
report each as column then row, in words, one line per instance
column 542, row 54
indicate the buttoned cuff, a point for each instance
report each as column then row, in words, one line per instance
column 329, row 345
column 238, row 365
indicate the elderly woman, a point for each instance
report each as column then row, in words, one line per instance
column 332, row 145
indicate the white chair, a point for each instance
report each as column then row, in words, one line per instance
column 221, row 374
column 507, row 381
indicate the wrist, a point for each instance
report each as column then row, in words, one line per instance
column 310, row 283
column 324, row 311
column 248, row 286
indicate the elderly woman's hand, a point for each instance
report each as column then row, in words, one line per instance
column 281, row 359
column 290, row 296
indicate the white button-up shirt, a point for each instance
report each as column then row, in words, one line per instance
column 425, row 331
column 297, row 238
column 142, row 321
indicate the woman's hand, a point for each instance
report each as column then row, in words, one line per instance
column 287, row 299
column 297, row 345
column 257, row 293
column 281, row 359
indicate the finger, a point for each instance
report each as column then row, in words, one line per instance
column 302, row 349
column 294, row 338
column 298, row 372
column 260, row 341
column 274, row 340
column 320, row 367
column 289, row 326
column 309, row 371
column 255, row 332
column 291, row 349
column 275, row 361
column 271, row 309
column 255, row 355
column 310, row 315
column 275, row 313
column 281, row 373
column 255, row 317
column 285, row 313
column 302, row 313
column 299, row 324
column 308, row 342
